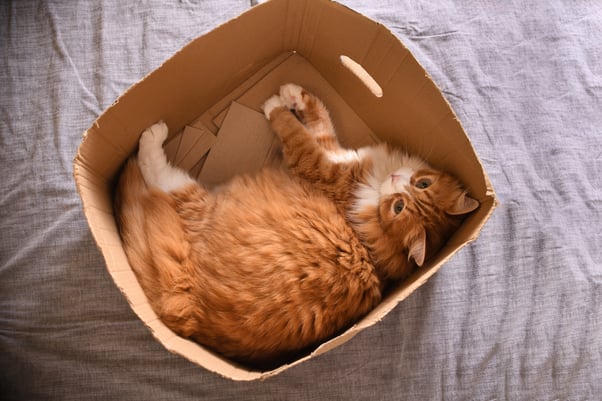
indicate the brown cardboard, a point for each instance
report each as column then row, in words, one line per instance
column 171, row 147
column 214, row 116
column 309, row 42
column 245, row 137
column 291, row 67
column 194, row 145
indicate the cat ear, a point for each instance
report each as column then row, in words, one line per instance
column 464, row 204
column 418, row 248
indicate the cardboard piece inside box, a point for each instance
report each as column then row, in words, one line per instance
column 210, row 94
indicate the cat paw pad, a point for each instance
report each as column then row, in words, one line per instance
column 271, row 104
column 292, row 96
column 156, row 133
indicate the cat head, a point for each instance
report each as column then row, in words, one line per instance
column 409, row 214
column 421, row 208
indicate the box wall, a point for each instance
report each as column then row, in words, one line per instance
column 412, row 112
column 214, row 65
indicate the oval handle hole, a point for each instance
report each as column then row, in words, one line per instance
column 363, row 75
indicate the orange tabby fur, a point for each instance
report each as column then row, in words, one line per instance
column 270, row 264
column 397, row 242
column 257, row 271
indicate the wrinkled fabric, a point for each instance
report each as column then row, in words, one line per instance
column 515, row 315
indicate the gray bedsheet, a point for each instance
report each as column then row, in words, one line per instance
column 517, row 315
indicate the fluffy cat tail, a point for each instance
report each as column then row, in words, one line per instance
column 131, row 198
column 153, row 238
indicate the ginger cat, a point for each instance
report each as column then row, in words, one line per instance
column 266, row 266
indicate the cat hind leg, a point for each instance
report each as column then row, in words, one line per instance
column 153, row 163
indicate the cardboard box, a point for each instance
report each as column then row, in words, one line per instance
column 210, row 94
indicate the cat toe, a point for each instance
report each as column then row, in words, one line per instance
column 292, row 96
column 160, row 131
column 271, row 104
column 156, row 133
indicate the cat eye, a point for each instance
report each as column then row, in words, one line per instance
column 398, row 207
column 423, row 183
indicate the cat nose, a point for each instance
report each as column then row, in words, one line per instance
column 394, row 178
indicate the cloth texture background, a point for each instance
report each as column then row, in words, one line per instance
column 516, row 315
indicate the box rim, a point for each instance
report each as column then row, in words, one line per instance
column 81, row 172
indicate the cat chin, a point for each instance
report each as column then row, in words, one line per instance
column 397, row 181
column 387, row 160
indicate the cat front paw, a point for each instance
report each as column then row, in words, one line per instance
column 270, row 104
column 156, row 134
column 292, row 96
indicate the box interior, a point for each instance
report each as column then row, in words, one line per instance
column 210, row 94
